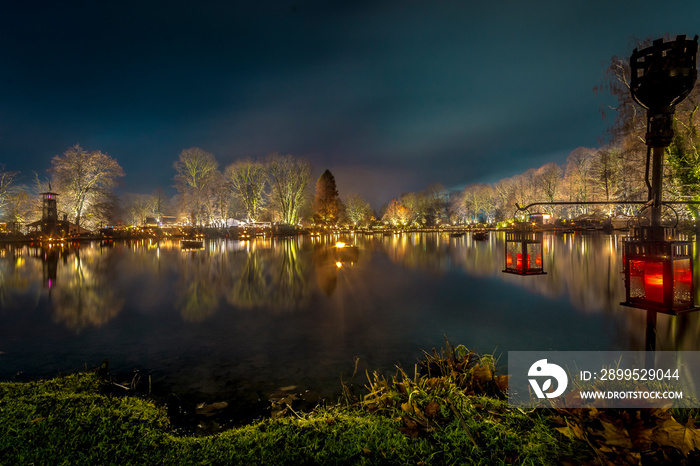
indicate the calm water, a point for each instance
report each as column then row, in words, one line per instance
column 239, row 319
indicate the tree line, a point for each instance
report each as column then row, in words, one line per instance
column 278, row 188
column 275, row 188
column 614, row 174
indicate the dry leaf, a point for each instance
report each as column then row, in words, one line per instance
column 432, row 409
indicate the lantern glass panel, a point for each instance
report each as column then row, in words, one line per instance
column 534, row 256
column 682, row 282
column 647, row 280
column 514, row 259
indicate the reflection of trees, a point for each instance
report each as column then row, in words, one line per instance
column 16, row 273
column 261, row 274
column 250, row 287
column 84, row 295
column 418, row 251
column 290, row 283
column 199, row 298
column 584, row 267
column 587, row 268
column 275, row 277
column 198, row 302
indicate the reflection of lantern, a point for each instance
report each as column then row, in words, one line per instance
column 658, row 272
column 345, row 253
column 524, row 253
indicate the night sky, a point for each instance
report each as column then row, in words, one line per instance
column 390, row 96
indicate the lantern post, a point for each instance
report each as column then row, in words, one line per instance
column 658, row 263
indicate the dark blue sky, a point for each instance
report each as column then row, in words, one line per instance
column 390, row 96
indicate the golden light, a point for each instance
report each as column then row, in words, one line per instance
column 658, row 272
column 339, row 264
column 339, row 244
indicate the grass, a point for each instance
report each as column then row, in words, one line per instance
column 70, row 420
column 452, row 413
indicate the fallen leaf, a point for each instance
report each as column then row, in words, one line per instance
column 615, row 435
column 432, row 409
column 502, row 382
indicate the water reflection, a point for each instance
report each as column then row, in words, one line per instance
column 18, row 275
column 87, row 283
column 77, row 282
column 295, row 310
column 586, row 268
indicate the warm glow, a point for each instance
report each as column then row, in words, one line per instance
column 339, row 244
column 682, row 273
column 339, row 264
column 654, row 281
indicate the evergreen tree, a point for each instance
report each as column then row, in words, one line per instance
column 326, row 202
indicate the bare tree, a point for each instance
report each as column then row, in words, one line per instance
column 629, row 122
column 289, row 178
column 627, row 131
column 196, row 171
column 248, row 180
column 86, row 181
column 219, row 198
column 136, row 207
column 159, row 201
column 7, row 189
column 549, row 178
column 605, row 173
column 577, row 174
column 357, row 209
column 505, row 195
column 436, row 203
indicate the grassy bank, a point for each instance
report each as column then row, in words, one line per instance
column 424, row 420
column 449, row 411
column 69, row 421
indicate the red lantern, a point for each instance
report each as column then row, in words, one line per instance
column 658, row 272
column 524, row 253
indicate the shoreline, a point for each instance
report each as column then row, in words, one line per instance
column 456, row 415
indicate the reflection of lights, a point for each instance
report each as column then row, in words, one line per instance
column 339, row 264
column 339, row 244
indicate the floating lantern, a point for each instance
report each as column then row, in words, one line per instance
column 343, row 252
column 658, row 271
column 524, row 253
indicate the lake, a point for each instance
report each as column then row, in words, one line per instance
column 238, row 319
